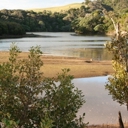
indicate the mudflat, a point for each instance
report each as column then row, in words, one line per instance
column 79, row 67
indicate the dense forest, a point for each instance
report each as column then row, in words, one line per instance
column 93, row 17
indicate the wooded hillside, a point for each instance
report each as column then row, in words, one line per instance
column 91, row 18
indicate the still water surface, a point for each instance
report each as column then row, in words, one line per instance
column 64, row 44
column 99, row 107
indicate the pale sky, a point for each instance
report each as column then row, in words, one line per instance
column 28, row 4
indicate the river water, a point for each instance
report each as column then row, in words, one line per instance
column 64, row 44
column 99, row 106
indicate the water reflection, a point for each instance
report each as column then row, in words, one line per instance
column 99, row 106
column 95, row 54
column 63, row 44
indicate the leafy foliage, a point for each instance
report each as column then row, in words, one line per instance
column 11, row 28
column 89, row 24
column 31, row 21
column 118, row 82
column 60, row 96
column 117, row 5
column 29, row 100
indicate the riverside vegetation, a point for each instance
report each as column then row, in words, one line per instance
column 90, row 18
column 29, row 100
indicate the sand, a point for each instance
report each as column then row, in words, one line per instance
column 79, row 67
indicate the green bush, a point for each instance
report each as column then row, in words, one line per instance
column 118, row 82
column 29, row 100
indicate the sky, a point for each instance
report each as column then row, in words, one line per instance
column 28, row 4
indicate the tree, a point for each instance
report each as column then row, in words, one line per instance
column 90, row 24
column 87, row 2
column 59, row 97
column 118, row 82
column 29, row 100
column 100, row 28
column 42, row 25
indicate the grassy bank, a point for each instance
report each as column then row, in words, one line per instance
column 58, row 8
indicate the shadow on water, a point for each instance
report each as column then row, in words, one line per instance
column 90, row 53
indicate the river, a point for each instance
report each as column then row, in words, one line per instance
column 64, row 44
column 99, row 106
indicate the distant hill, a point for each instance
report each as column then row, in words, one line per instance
column 58, row 8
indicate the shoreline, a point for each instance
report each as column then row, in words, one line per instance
column 79, row 67
column 21, row 36
column 44, row 36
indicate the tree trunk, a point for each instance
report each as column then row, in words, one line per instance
column 121, row 125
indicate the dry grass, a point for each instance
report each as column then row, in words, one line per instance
column 107, row 126
column 79, row 67
column 58, row 8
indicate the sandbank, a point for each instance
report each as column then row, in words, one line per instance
column 79, row 67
